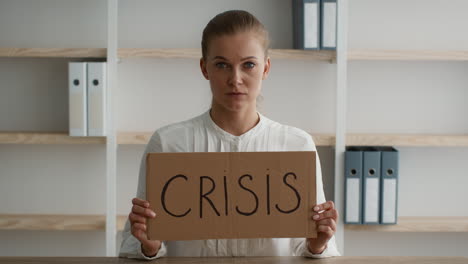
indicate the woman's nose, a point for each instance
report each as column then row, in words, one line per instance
column 235, row 77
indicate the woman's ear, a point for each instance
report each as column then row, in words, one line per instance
column 203, row 68
column 266, row 69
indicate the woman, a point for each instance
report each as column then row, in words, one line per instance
column 235, row 61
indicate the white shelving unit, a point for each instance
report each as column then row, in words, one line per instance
column 111, row 222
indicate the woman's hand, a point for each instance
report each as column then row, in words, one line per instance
column 140, row 213
column 326, row 217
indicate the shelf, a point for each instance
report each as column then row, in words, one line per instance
column 141, row 138
column 57, row 222
column 53, row 52
column 407, row 55
column 418, row 224
column 46, row 138
column 402, row 140
column 136, row 138
column 133, row 138
column 324, row 140
column 320, row 55
column 407, row 140
column 98, row 222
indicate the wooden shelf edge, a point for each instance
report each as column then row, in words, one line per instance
column 323, row 140
column 133, row 138
column 407, row 55
column 407, row 140
column 139, row 138
column 159, row 53
column 98, row 222
column 57, row 222
column 320, row 55
column 54, row 52
column 402, row 140
column 195, row 53
column 46, row 138
column 121, row 220
column 418, row 224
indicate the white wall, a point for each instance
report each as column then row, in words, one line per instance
column 413, row 97
column 415, row 24
column 53, row 23
column 399, row 97
column 47, row 179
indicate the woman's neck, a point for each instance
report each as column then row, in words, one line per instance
column 235, row 123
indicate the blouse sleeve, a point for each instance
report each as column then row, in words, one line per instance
column 131, row 247
column 299, row 245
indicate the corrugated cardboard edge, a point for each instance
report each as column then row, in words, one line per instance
column 147, row 190
column 312, row 200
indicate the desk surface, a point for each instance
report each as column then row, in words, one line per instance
column 237, row 260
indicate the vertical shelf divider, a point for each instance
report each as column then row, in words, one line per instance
column 340, row 129
column 111, row 143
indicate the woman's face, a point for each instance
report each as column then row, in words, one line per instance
column 235, row 66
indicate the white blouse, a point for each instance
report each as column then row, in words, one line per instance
column 201, row 134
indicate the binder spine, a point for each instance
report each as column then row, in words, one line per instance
column 297, row 24
column 371, row 186
column 306, row 21
column 353, row 185
column 77, row 101
column 97, row 87
column 328, row 24
column 389, row 186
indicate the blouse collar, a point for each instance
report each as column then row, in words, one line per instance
column 209, row 121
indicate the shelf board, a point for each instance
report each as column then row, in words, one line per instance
column 418, row 224
column 407, row 55
column 195, row 53
column 121, row 219
column 141, row 138
column 54, row 52
column 159, row 53
column 133, row 138
column 402, row 140
column 56, row 222
column 46, row 138
column 407, row 140
column 137, row 138
column 98, row 222
column 324, row 140
column 320, row 55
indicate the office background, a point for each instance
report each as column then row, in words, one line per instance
column 383, row 96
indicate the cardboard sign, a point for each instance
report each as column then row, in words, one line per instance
column 209, row 195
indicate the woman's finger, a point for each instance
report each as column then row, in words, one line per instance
column 134, row 218
column 328, row 222
column 136, row 209
column 327, row 214
column 140, row 202
column 139, row 234
column 325, row 229
column 140, row 226
column 324, row 206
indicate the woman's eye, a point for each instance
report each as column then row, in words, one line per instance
column 249, row 65
column 221, row 65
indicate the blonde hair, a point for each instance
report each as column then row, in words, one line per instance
column 232, row 22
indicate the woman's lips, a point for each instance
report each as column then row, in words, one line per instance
column 236, row 96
